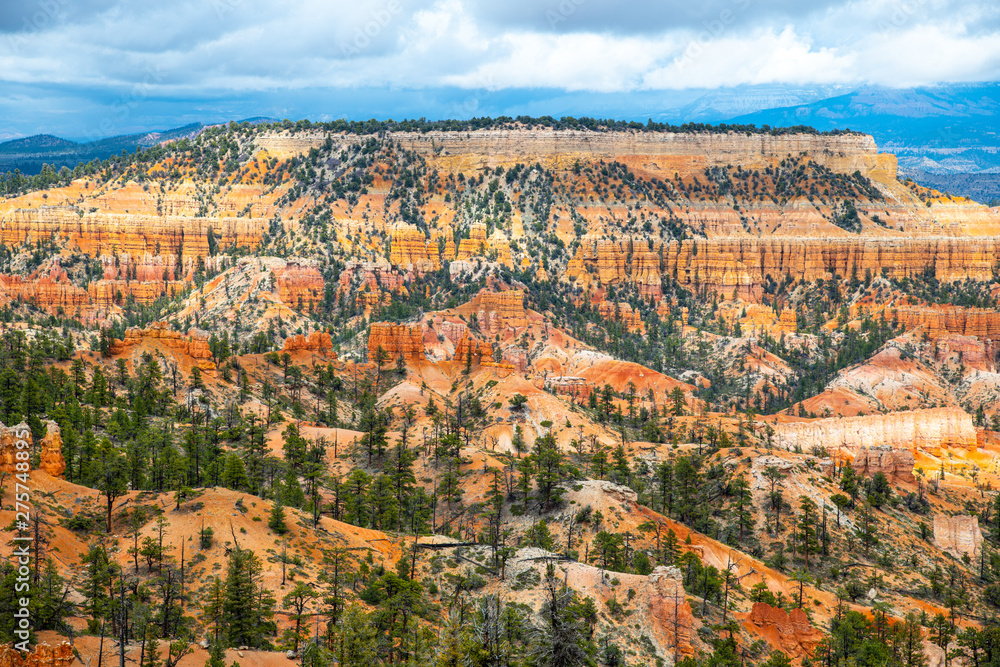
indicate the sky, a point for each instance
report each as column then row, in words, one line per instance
column 96, row 68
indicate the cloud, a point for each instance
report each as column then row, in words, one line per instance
column 204, row 51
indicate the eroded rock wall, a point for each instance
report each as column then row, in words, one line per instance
column 929, row 430
column 397, row 340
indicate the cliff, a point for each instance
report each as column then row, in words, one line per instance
column 739, row 266
column 469, row 350
column 896, row 464
column 478, row 245
column 317, row 341
column 50, row 448
column 958, row 535
column 398, row 340
column 621, row 312
column 411, row 250
column 939, row 321
column 42, row 655
column 300, row 285
column 497, row 311
column 790, row 632
column 102, row 233
column 193, row 345
column 928, row 430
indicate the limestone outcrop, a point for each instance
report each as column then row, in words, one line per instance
column 928, row 430
column 397, row 340
column 134, row 234
column 193, row 344
column 42, row 655
column 317, row 341
column 958, row 535
column 50, row 448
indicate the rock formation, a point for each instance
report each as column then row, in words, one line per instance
column 411, row 250
column 896, row 464
column 928, row 430
column 938, row 321
column 317, row 341
column 577, row 387
column 501, row 310
column 137, row 235
column 299, row 285
column 740, row 266
column 478, row 245
column 193, row 344
column 958, row 535
column 397, row 340
column 673, row 620
column 621, row 312
column 50, row 448
column 471, row 351
column 793, row 632
column 42, row 655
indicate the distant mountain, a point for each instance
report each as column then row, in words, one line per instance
column 28, row 154
column 718, row 105
column 35, row 144
column 945, row 130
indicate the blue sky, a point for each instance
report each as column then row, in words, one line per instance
column 93, row 68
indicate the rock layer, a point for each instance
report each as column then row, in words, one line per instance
column 896, row 464
column 50, row 448
column 42, row 655
column 958, row 535
column 791, row 631
column 397, row 340
column 928, row 430
column 193, row 344
column 317, row 341
column 940, row 321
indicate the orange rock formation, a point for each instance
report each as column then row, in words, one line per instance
column 501, row 310
column 470, row 350
column 43, row 655
column 894, row 463
column 938, row 321
column 790, row 632
column 738, row 266
column 193, row 345
column 317, row 341
column 958, row 535
column 398, row 340
column 928, row 430
column 411, row 250
column 299, row 285
column 51, row 457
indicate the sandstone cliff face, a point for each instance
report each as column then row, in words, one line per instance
column 412, row 251
column 790, row 632
column 317, row 341
column 398, row 340
column 300, row 285
column 916, row 429
column 43, row 655
column 739, row 266
column 896, row 464
column 99, row 234
column 50, row 447
column 939, row 321
column 193, row 345
column 471, row 351
column 501, row 310
column 621, row 312
column 478, row 245
column 668, row 607
column 958, row 535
